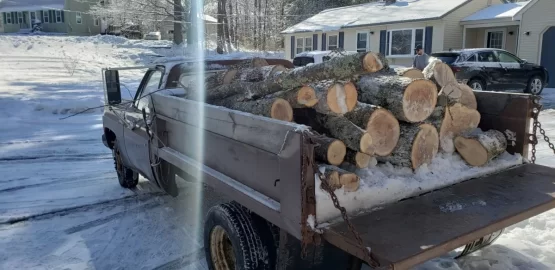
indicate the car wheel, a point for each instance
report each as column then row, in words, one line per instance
column 127, row 178
column 535, row 86
column 477, row 84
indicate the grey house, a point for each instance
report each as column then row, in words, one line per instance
column 57, row 16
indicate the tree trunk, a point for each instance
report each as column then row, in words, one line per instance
column 276, row 108
column 382, row 126
column 477, row 147
column 331, row 151
column 412, row 73
column 418, row 145
column 178, row 22
column 331, row 97
column 439, row 72
column 220, row 28
column 360, row 160
column 452, row 121
column 354, row 137
column 256, row 74
column 338, row 178
column 410, row 100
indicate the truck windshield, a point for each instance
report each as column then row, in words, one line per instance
column 151, row 85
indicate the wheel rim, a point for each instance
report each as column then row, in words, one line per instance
column 476, row 86
column 536, row 86
column 221, row 248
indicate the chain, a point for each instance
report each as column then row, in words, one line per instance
column 537, row 125
column 326, row 187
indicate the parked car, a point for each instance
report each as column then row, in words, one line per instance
column 314, row 57
column 495, row 70
column 153, row 36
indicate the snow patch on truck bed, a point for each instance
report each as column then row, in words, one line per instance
column 386, row 184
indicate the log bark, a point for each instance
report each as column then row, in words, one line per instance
column 331, row 151
column 360, row 160
column 477, row 147
column 380, row 123
column 276, row 108
column 439, row 72
column 412, row 73
column 409, row 100
column 338, row 178
column 354, row 137
column 452, row 121
column 417, row 146
column 254, row 74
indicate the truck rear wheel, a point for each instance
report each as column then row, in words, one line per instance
column 233, row 240
column 127, row 178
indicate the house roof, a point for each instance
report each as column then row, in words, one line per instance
column 501, row 11
column 30, row 5
column 376, row 13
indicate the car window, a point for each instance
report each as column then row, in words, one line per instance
column 472, row 58
column 507, row 58
column 152, row 85
column 448, row 58
column 486, row 57
column 302, row 61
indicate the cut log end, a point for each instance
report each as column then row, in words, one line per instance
column 367, row 144
column 349, row 181
column 342, row 98
column 413, row 74
column 419, row 100
column 336, row 152
column 307, row 96
column 471, row 151
column 372, row 62
column 467, row 98
column 229, row 76
column 458, row 119
column 361, row 160
column 440, row 72
column 384, row 129
column 281, row 110
column 425, row 146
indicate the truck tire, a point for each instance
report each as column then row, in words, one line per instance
column 234, row 240
column 127, row 178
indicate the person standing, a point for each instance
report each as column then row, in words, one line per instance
column 421, row 58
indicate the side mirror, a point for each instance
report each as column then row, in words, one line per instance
column 112, row 86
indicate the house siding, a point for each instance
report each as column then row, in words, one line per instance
column 536, row 20
column 476, row 37
column 46, row 27
column 87, row 26
column 453, row 32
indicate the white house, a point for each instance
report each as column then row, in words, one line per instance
column 395, row 27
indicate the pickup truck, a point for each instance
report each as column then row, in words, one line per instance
column 266, row 168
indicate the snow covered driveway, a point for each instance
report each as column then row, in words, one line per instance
column 60, row 203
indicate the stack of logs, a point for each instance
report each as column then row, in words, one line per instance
column 361, row 111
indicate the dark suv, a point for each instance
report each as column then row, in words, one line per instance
column 495, row 69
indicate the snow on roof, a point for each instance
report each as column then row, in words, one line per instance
column 497, row 11
column 30, row 5
column 376, row 13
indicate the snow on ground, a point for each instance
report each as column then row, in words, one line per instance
column 61, row 206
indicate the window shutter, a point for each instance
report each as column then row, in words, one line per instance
column 315, row 42
column 41, row 16
column 387, row 45
column 14, row 18
column 428, row 39
column 324, row 41
column 5, row 18
column 383, row 41
column 52, row 15
column 63, row 19
column 25, row 17
column 341, row 39
column 292, row 47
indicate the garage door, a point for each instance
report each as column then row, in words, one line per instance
column 548, row 54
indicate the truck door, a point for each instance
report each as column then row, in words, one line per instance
column 136, row 137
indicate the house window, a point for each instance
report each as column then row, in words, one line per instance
column 362, row 42
column 495, row 39
column 304, row 44
column 402, row 42
column 332, row 42
column 78, row 18
column 33, row 16
column 96, row 21
column 8, row 17
column 58, row 16
column 20, row 17
column 45, row 17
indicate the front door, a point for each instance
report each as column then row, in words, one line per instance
column 548, row 54
column 136, row 137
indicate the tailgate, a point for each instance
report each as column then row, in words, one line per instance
column 413, row 231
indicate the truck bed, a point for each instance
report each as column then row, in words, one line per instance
column 418, row 229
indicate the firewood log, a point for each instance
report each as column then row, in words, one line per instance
column 439, row 72
column 341, row 128
column 360, row 160
column 329, row 150
column 254, row 74
column 337, row 178
column 276, row 108
column 417, row 145
column 409, row 100
column 412, row 73
column 380, row 123
column 451, row 121
column 477, row 147
column 458, row 93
